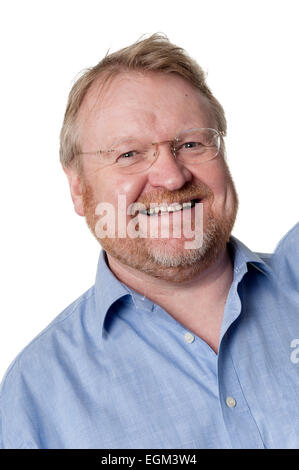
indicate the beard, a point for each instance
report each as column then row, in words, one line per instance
column 167, row 259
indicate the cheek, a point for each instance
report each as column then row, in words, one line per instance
column 222, row 185
column 219, row 184
column 214, row 175
column 107, row 187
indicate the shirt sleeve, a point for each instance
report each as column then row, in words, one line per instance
column 17, row 428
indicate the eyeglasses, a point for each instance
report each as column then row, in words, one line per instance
column 190, row 147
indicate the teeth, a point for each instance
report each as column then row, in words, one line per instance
column 171, row 208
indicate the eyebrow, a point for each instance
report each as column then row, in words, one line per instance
column 123, row 138
column 119, row 139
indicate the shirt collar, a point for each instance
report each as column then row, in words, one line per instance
column 108, row 289
column 242, row 256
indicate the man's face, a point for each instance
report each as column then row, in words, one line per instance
column 154, row 107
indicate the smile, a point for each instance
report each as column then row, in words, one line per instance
column 164, row 208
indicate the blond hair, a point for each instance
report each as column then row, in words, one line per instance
column 155, row 53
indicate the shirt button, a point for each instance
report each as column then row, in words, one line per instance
column 231, row 402
column 188, row 337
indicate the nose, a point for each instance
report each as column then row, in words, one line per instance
column 166, row 171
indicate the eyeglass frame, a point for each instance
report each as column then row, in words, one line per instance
column 220, row 134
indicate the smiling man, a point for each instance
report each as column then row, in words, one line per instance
column 175, row 344
column 164, row 108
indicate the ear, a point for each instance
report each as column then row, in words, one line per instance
column 75, row 188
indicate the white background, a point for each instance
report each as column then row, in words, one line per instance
column 249, row 50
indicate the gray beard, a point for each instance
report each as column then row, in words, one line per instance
column 187, row 257
column 176, row 267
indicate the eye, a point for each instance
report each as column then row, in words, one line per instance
column 130, row 157
column 130, row 154
column 190, row 145
column 195, row 145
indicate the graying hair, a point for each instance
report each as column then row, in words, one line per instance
column 155, row 53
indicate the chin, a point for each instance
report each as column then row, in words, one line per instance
column 168, row 259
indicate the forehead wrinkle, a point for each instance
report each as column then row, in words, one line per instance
column 136, row 124
column 151, row 117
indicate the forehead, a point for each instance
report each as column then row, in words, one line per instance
column 135, row 103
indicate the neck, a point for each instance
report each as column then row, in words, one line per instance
column 197, row 304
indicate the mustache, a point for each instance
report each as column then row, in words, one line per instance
column 162, row 196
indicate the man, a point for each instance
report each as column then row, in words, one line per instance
column 181, row 342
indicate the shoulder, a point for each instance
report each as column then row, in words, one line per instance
column 290, row 242
column 286, row 259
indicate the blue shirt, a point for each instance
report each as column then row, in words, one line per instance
column 115, row 370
